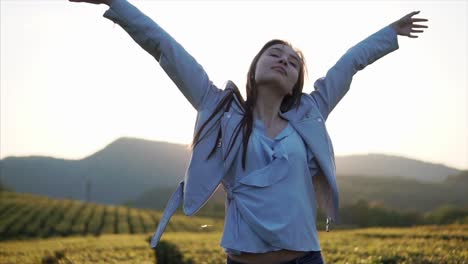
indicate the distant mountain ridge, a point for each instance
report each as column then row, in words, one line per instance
column 380, row 165
column 122, row 170
column 128, row 167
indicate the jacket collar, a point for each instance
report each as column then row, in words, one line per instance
column 307, row 121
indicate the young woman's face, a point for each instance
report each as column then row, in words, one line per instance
column 278, row 65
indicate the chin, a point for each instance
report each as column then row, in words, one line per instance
column 276, row 81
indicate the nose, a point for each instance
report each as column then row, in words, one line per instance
column 283, row 61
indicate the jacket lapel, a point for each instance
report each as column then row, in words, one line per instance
column 310, row 126
column 312, row 131
column 230, row 124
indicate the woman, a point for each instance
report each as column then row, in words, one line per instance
column 271, row 153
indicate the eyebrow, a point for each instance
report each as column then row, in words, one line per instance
column 290, row 55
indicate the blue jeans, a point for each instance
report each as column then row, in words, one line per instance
column 312, row 257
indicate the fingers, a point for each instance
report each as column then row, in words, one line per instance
column 413, row 20
column 417, row 19
column 412, row 14
column 414, row 31
column 407, row 23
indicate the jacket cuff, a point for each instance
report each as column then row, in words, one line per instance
column 114, row 9
column 392, row 35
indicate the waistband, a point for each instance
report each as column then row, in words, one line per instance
column 311, row 257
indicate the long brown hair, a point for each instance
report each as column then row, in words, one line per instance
column 246, row 123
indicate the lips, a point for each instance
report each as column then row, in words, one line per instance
column 279, row 69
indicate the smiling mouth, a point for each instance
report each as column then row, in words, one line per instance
column 279, row 69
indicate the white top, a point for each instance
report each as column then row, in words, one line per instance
column 271, row 205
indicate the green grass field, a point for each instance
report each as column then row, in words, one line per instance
column 25, row 216
column 35, row 229
column 429, row 244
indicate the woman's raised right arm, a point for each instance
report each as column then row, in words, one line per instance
column 180, row 66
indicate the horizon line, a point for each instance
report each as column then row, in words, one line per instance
column 188, row 149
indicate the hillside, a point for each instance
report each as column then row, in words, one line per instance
column 121, row 171
column 129, row 168
column 395, row 193
column 32, row 216
column 405, row 194
column 383, row 166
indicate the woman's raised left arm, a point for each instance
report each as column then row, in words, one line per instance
column 329, row 90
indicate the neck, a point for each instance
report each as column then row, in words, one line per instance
column 267, row 107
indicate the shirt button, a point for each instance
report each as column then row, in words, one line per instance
column 319, row 119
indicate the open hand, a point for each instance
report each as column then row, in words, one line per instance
column 404, row 26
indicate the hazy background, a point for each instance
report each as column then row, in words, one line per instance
column 72, row 81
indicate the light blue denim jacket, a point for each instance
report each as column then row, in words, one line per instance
column 203, row 176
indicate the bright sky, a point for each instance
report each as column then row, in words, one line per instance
column 72, row 82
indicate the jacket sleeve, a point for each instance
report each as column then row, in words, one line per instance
column 180, row 66
column 329, row 90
